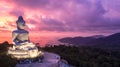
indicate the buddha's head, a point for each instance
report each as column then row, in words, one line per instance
column 20, row 23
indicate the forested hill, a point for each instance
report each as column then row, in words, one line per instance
column 111, row 40
column 85, row 56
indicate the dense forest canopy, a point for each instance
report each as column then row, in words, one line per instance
column 82, row 56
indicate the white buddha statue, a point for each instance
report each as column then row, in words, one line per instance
column 21, row 36
column 22, row 47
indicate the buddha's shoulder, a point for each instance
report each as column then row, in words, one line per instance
column 20, row 31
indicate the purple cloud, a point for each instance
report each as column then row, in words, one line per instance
column 74, row 15
column 53, row 25
column 17, row 13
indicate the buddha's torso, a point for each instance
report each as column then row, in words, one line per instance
column 21, row 35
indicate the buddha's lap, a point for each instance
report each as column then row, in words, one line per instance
column 26, row 45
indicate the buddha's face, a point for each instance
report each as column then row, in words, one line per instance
column 21, row 25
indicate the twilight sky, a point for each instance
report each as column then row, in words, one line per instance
column 49, row 19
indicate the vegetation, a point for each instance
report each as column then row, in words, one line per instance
column 85, row 56
column 6, row 60
column 82, row 56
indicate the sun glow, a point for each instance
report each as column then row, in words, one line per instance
column 2, row 23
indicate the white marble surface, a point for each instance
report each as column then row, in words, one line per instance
column 50, row 60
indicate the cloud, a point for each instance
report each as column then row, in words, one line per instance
column 53, row 25
column 16, row 13
column 69, row 15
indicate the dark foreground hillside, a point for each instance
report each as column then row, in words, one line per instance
column 82, row 56
column 87, row 56
column 5, row 60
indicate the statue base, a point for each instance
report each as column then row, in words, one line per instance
column 26, row 53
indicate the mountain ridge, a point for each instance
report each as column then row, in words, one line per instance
column 111, row 40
